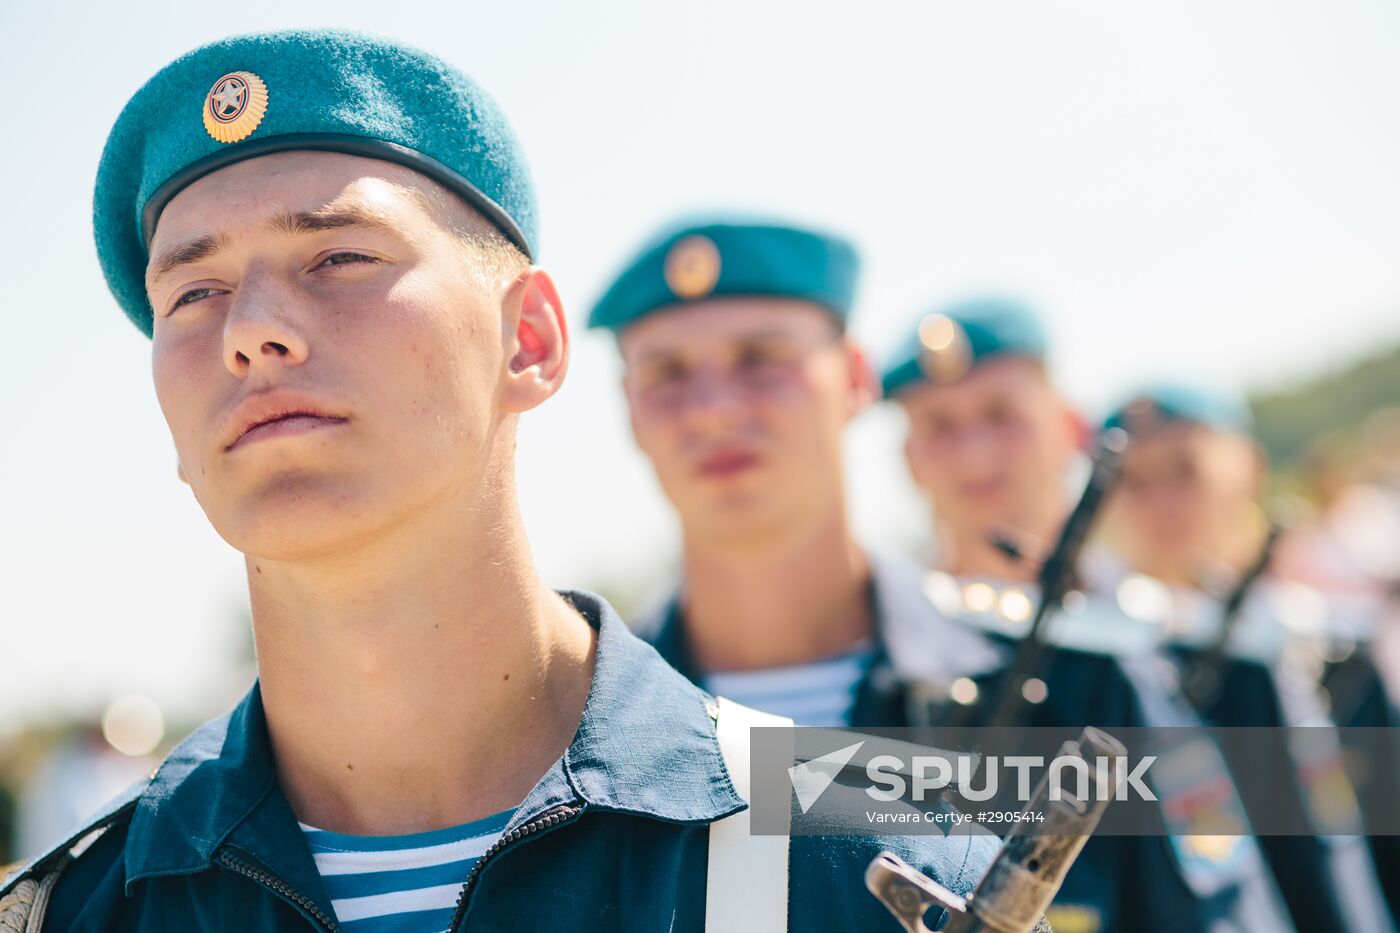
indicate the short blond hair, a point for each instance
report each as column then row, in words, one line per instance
column 484, row 246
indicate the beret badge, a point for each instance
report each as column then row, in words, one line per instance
column 946, row 353
column 235, row 106
column 692, row 267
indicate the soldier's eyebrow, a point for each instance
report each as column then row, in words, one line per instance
column 666, row 354
column 326, row 218
column 333, row 218
column 775, row 334
column 195, row 250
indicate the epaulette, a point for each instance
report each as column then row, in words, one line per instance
column 24, row 895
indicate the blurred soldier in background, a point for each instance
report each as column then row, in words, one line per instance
column 740, row 380
column 1187, row 514
column 1353, row 554
column 1188, row 505
column 993, row 445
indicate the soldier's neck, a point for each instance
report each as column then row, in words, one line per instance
column 1216, row 566
column 399, row 675
column 799, row 598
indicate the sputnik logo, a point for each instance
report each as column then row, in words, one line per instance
column 811, row 778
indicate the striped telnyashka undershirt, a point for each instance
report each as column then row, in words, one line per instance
column 400, row 884
column 821, row 693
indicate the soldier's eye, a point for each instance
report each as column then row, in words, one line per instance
column 999, row 414
column 347, row 258
column 667, row 375
column 193, row 295
column 755, row 357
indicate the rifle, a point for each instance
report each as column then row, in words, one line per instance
column 1057, row 574
column 1202, row 682
column 1019, row 885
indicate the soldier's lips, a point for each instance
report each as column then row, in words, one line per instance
column 276, row 413
column 288, row 425
column 985, row 489
column 727, row 463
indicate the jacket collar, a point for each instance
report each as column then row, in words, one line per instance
column 913, row 640
column 207, row 786
column 645, row 744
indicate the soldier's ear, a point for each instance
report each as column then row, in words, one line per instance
column 865, row 388
column 1077, row 427
column 536, row 340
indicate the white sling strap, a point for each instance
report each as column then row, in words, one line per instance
column 747, row 882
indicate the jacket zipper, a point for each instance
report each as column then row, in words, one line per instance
column 550, row 819
column 279, row 887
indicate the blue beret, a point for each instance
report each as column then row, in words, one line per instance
column 949, row 342
column 695, row 261
column 324, row 90
column 1156, row 405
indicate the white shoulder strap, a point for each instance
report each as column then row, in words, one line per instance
column 747, row 883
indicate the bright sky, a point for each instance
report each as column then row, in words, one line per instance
column 1206, row 188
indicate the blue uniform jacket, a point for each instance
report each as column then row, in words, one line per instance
column 613, row 837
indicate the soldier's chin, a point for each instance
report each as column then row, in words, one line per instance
column 749, row 518
column 996, row 514
column 295, row 524
column 737, row 499
column 1171, row 542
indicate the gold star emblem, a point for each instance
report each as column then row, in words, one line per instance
column 229, row 99
column 692, row 267
column 946, row 354
column 235, row 106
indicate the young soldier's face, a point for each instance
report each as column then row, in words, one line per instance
column 329, row 358
column 991, row 449
column 1184, row 490
column 740, row 404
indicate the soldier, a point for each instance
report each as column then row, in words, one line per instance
column 740, row 380
column 991, row 443
column 1187, row 514
column 1353, row 555
column 329, row 239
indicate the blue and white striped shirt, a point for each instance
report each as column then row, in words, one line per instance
column 400, row 884
column 822, row 693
